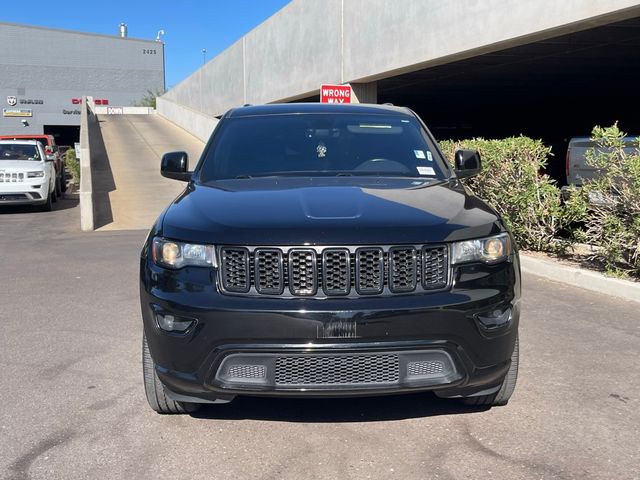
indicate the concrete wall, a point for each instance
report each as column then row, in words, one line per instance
column 308, row 43
column 383, row 38
column 55, row 66
column 196, row 123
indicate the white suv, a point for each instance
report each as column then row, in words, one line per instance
column 27, row 177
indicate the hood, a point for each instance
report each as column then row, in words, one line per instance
column 327, row 211
column 20, row 165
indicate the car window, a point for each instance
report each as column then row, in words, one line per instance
column 321, row 145
column 19, row 152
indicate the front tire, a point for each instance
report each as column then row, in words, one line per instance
column 156, row 396
column 47, row 206
column 63, row 183
column 58, row 183
column 502, row 396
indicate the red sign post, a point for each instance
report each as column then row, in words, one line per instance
column 335, row 94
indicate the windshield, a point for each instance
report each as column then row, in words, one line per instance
column 17, row 151
column 321, row 145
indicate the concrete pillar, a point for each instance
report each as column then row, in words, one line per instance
column 364, row 92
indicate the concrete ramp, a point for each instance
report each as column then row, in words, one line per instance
column 128, row 190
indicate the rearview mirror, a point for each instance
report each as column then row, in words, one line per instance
column 467, row 163
column 174, row 165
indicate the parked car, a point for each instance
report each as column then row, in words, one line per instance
column 27, row 175
column 51, row 149
column 577, row 167
column 327, row 250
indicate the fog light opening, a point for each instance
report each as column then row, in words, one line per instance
column 172, row 323
column 495, row 318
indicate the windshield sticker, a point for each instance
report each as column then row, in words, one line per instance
column 322, row 150
column 426, row 171
column 419, row 154
column 429, row 157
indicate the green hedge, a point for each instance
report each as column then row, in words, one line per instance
column 511, row 182
column 71, row 161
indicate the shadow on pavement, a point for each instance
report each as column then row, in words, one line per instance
column 344, row 410
column 102, row 178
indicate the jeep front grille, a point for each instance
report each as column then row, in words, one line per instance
column 333, row 271
column 6, row 177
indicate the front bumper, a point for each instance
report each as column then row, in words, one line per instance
column 321, row 347
column 24, row 193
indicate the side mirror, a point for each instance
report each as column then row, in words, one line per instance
column 174, row 165
column 467, row 163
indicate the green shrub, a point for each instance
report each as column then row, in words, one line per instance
column 612, row 222
column 511, row 182
column 71, row 161
column 149, row 98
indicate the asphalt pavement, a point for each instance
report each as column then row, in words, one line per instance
column 73, row 405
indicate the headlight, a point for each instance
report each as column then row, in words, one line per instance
column 487, row 250
column 36, row 174
column 172, row 254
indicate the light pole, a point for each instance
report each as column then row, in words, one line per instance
column 164, row 74
column 204, row 56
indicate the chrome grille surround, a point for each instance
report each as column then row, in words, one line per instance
column 403, row 269
column 369, row 271
column 303, row 272
column 269, row 271
column 333, row 271
column 235, row 269
column 336, row 271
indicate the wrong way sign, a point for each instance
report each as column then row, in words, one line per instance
column 335, row 94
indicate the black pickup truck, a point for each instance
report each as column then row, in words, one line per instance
column 327, row 250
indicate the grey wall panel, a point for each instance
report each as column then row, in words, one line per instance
column 27, row 45
column 382, row 38
column 216, row 85
column 294, row 51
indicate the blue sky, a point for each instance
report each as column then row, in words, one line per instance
column 189, row 25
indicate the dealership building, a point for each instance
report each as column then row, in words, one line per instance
column 44, row 73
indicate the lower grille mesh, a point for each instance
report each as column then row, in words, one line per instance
column 247, row 371
column 433, row 367
column 364, row 369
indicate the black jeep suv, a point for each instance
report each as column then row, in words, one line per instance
column 327, row 250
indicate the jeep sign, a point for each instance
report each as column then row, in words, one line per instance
column 335, row 94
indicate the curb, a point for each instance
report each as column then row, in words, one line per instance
column 581, row 278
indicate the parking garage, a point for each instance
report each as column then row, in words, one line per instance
column 548, row 70
column 553, row 89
